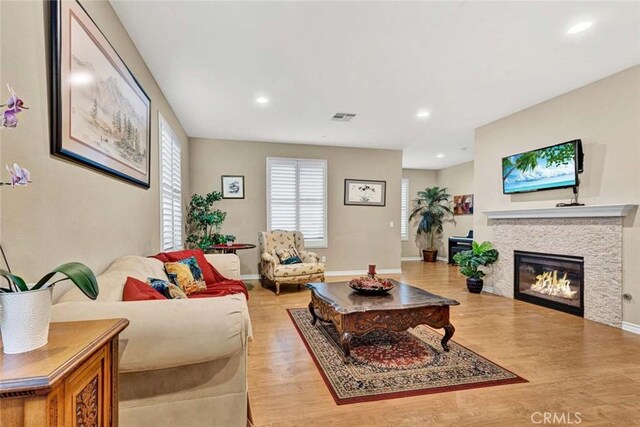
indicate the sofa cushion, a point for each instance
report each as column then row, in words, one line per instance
column 288, row 256
column 111, row 282
column 135, row 290
column 180, row 274
column 168, row 289
column 301, row 269
column 208, row 272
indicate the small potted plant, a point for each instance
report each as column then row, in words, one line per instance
column 432, row 208
column 26, row 309
column 230, row 238
column 469, row 262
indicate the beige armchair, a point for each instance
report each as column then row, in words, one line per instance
column 272, row 272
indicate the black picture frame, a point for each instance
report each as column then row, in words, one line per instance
column 60, row 140
column 350, row 196
column 227, row 193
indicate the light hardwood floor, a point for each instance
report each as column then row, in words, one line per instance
column 573, row 365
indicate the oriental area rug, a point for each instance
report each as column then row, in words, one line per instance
column 387, row 365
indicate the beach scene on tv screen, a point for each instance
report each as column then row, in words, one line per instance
column 551, row 167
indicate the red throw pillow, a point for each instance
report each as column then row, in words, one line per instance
column 207, row 269
column 135, row 290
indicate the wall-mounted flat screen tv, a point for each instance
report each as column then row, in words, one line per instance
column 546, row 168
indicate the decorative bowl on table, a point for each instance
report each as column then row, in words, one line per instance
column 370, row 285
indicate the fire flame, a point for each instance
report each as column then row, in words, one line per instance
column 548, row 283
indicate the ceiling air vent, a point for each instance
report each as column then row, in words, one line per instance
column 343, row 117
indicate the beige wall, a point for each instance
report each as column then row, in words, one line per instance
column 606, row 116
column 419, row 179
column 358, row 235
column 71, row 213
column 458, row 180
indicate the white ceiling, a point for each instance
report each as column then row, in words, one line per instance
column 468, row 63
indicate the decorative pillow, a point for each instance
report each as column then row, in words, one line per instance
column 208, row 272
column 168, row 289
column 288, row 256
column 196, row 272
column 136, row 290
column 180, row 273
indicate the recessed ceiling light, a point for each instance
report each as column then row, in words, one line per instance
column 262, row 100
column 80, row 78
column 440, row 155
column 580, row 27
column 423, row 114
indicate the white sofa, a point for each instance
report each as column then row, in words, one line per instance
column 182, row 362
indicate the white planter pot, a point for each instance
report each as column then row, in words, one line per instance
column 229, row 243
column 24, row 320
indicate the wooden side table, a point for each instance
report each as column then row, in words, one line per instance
column 71, row 381
column 231, row 249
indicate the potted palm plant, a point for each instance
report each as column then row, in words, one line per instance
column 26, row 310
column 469, row 262
column 432, row 208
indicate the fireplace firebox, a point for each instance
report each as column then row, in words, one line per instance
column 554, row 281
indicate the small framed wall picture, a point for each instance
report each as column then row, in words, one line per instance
column 463, row 205
column 232, row 186
column 358, row 192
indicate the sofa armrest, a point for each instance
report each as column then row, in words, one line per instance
column 227, row 264
column 169, row 333
column 308, row 256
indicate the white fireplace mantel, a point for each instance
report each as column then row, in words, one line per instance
column 565, row 212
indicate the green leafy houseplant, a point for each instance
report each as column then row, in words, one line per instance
column 480, row 255
column 204, row 222
column 21, row 302
column 431, row 209
column 78, row 273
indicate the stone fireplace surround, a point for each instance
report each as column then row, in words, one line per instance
column 592, row 232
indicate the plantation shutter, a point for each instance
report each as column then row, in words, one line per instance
column 404, row 210
column 296, row 198
column 171, row 188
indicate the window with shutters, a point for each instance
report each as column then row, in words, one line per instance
column 404, row 210
column 171, row 188
column 297, row 198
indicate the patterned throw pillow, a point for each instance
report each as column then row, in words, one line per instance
column 167, row 289
column 196, row 272
column 186, row 274
column 288, row 256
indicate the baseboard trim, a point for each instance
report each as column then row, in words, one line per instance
column 417, row 258
column 335, row 273
column 631, row 327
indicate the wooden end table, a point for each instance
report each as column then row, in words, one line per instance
column 70, row 381
column 355, row 314
column 231, row 249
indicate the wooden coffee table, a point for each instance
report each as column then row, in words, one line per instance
column 355, row 314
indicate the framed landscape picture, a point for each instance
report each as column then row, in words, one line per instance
column 463, row 205
column 360, row 192
column 101, row 116
column 232, row 187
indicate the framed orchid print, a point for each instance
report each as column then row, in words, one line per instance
column 359, row 192
column 101, row 116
